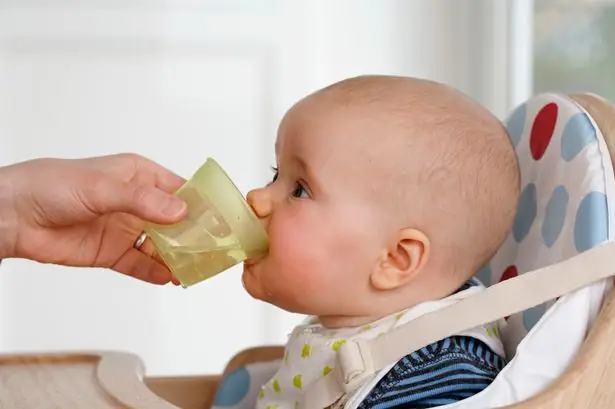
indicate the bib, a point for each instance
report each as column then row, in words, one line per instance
column 310, row 352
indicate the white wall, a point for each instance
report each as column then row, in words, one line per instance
column 182, row 80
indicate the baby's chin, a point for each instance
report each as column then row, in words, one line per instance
column 253, row 286
column 249, row 282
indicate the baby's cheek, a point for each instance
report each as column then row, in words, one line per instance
column 290, row 247
column 295, row 267
column 299, row 268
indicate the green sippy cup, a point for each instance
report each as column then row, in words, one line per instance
column 220, row 231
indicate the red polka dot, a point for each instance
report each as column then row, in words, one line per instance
column 542, row 130
column 510, row 272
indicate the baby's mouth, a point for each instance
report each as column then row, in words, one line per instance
column 249, row 266
column 255, row 259
column 250, row 262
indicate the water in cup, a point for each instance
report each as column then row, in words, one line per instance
column 220, row 230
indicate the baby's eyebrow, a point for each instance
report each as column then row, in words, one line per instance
column 305, row 168
column 301, row 162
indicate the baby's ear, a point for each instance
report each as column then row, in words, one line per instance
column 402, row 261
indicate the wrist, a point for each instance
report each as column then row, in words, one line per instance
column 8, row 215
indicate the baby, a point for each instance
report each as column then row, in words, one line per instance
column 389, row 193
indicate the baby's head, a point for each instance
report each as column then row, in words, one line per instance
column 388, row 192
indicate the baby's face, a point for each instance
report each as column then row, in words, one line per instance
column 324, row 237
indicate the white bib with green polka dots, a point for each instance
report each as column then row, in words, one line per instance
column 311, row 348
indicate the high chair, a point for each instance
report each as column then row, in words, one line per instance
column 585, row 378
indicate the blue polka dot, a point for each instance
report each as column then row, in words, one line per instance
column 555, row 214
column 591, row 226
column 578, row 133
column 484, row 274
column 234, row 388
column 526, row 212
column 516, row 124
column 533, row 315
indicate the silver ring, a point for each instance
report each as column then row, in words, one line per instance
column 140, row 240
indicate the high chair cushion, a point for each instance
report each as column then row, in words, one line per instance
column 567, row 191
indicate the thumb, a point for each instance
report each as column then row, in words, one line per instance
column 141, row 200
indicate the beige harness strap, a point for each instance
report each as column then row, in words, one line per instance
column 359, row 361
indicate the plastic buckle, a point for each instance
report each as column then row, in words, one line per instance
column 355, row 364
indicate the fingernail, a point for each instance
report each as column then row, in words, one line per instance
column 173, row 206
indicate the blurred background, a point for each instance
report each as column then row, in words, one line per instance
column 181, row 80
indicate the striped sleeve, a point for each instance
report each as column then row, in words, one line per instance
column 443, row 373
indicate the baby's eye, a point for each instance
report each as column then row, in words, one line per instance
column 300, row 192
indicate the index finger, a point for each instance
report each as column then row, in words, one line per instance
column 125, row 166
column 166, row 180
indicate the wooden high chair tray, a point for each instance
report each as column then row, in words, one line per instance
column 97, row 380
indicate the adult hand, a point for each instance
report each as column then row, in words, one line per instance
column 87, row 212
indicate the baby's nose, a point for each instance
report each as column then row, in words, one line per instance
column 260, row 201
